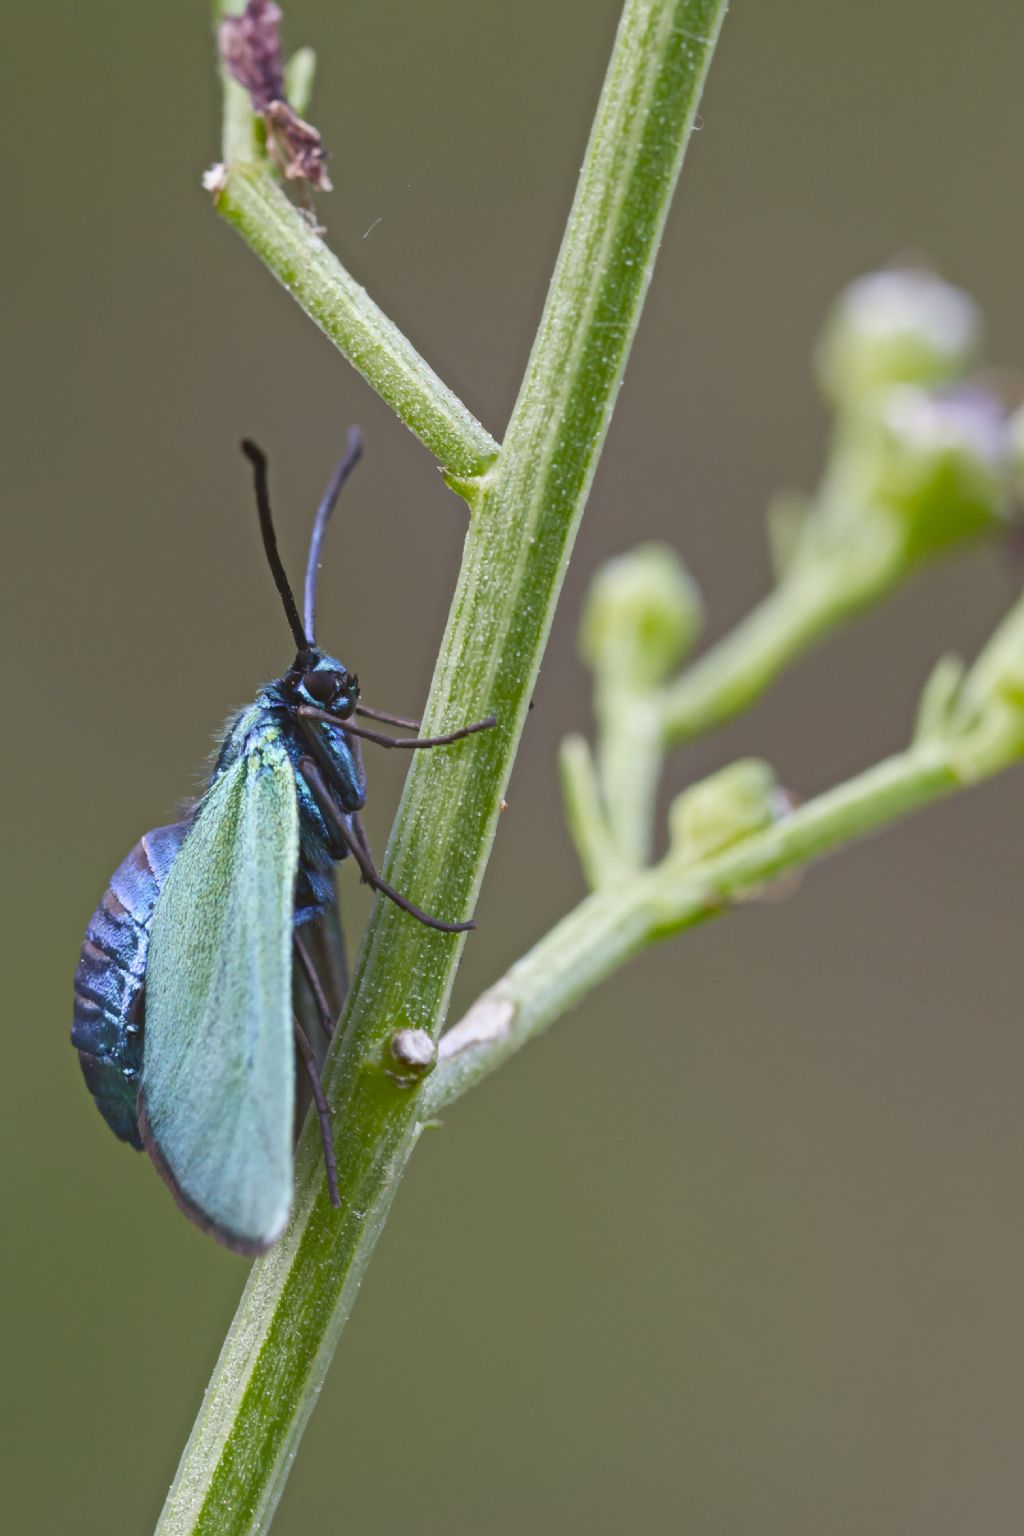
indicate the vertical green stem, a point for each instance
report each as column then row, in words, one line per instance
column 526, row 512
column 630, row 761
column 585, row 814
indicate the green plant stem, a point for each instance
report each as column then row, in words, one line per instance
column 246, row 193
column 629, row 760
column 635, row 729
column 615, row 923
column 249, row 198
column 526, row 511
column 584, row 811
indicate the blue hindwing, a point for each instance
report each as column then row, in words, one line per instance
column 109, row 981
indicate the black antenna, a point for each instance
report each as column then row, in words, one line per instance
column 258, row 459
column 346, row 465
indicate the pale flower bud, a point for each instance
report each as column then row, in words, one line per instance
column 641, row 616
column 942, row 463
column 897, row 326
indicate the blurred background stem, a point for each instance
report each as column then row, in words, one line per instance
column 627, row 914
column 923, row 460
column 734, row 673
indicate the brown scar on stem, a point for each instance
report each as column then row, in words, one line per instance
column 489, row 1019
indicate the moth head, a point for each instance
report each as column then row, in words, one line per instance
column 328, row 686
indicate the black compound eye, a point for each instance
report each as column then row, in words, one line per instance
column 324, row 687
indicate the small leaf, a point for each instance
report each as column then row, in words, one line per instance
column 940, row 697
column 299, row 74
column 786, row 517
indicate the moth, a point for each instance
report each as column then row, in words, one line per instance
column 183, row 1012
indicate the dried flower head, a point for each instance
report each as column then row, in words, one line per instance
column 250, row 47
column 299, row 146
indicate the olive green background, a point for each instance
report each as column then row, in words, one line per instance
column 738, row 1247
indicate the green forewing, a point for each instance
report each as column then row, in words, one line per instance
column 218, row 1077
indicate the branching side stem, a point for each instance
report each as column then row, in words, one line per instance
column 791, row 619
column 616, row 922
column 248, row 197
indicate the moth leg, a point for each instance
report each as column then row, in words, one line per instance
column 322, row 1109
column 327, row 773
column 341, row 842
column 336, row 818
column 381, row 740
column 382, row 714
column 315, row 984
column 355, row 820
column 359, row 832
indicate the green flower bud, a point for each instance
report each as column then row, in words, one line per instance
column 997, row 677
column 983, row 717
column 642, row 615
column 733, row 803
column 897, row 326
column 940, row 462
